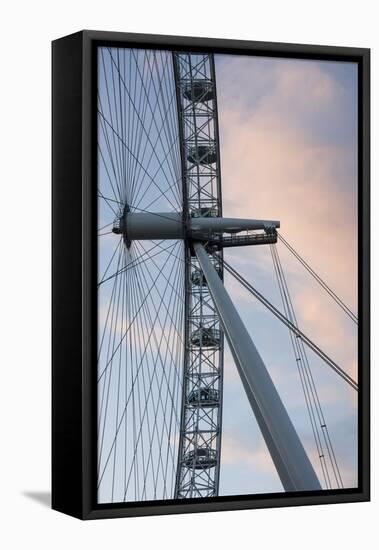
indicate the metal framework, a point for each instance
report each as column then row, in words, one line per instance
column 162, row 345
column 287, row 452
column 200, row 427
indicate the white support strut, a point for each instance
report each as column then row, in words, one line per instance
column 287, row 452
column 169, row 225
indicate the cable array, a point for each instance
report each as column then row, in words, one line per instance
column 320, row 281
column 320, row 429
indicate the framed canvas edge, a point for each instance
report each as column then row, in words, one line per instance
column 87, row 507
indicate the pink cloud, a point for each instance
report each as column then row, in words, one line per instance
column 285, row 156
column 235, row 451
column 273, row 166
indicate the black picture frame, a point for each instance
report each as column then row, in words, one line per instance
column 74, row 274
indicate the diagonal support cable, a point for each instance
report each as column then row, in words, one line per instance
column 298, row 333
column 322, row 283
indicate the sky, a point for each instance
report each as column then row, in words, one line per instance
column 288, row 143
column 288, row 139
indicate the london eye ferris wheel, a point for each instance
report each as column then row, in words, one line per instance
column 164, row 316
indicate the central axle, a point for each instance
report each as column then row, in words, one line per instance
column 167, row 225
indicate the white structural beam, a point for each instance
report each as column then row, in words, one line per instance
column 168, row 225
column 287, row 452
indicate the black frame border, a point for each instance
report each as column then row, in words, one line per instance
column 74, row 299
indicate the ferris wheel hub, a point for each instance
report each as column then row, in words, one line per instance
column 119, row 225
column 207, row 228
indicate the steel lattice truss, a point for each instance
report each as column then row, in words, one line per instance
column 200, row 430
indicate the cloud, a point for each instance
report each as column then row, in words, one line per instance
column 235, row 451
column 276, row 158
column 328, row 327
column 279, row 161
column 289, row 152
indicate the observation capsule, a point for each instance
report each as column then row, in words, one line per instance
column 200, row 459
column 198, row 277
column 204, row 397
column 206, row 337
column 202, row 154
column 204, row 212
column 199, row 91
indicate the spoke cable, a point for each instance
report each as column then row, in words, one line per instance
column 317, row 419
column 290, row 325
column 322, row 283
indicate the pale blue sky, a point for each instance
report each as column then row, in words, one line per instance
column 288, row 133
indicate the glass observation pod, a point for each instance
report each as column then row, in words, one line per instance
column 199, row 90
column 202, row 154
column 204, row 397
column 198, row 277
column 204, row 212
column 206, row 337
column 200, row 459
